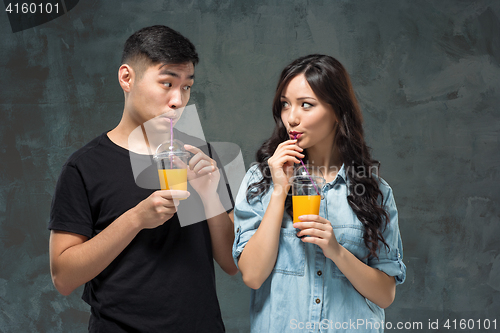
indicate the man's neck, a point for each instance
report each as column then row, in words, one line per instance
column 137, row 139
column 119, row 136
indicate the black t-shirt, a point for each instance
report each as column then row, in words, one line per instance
column 164, row 280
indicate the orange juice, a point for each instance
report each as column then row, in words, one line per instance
column 305, row 205
column 173, row 179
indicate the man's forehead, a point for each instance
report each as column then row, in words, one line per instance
column 184, row 70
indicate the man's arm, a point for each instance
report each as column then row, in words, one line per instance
column 221, row 233
column 204, row 177
column 75, row 259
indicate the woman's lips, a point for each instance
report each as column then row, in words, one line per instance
column 295, row 135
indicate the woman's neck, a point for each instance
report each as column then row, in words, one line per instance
column 327, row 158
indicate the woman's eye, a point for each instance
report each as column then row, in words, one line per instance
column 284, row 104
column 167, row 84
column 306, row 105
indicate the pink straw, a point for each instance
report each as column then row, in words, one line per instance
column 313, row 182
column 171, row 142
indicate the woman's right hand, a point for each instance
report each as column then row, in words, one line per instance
column 281, row 164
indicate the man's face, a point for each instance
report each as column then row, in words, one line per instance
column 161, row 92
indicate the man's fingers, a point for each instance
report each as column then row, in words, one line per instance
column 193, row 149
column 203, row 165
column 174, row 194
column 204, row 170
column 200, row 161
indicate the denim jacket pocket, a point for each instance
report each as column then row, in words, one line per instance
column 291, row 253
column 355, row 245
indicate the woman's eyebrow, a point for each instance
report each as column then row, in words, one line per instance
column 300, row 98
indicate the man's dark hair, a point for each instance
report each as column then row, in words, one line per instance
column 158, row 44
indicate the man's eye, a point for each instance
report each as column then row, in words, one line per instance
column 167, row 84
column 187, row 88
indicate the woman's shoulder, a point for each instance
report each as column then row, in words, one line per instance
column 384, row 187
column 251, row 182
column 383, row 184
column 254, row 173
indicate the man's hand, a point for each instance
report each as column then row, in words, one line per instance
column 202, row 172
column 75, row 259
column 158, row 208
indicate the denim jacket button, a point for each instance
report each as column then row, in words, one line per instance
column 318, row 300
column 319, row 273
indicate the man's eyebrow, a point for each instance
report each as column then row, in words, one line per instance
column 166, row 71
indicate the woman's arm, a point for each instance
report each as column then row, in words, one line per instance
column 258, row 258
column 372, row 283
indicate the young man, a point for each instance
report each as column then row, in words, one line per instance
column 142, row 271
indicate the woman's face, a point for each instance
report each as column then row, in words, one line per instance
column 305, row 117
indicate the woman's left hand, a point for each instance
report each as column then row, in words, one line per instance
column 320, row 232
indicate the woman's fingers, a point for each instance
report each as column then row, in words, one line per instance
column 285, row 156
column 313, row 225
column 313, row 218
column 307, row 225
column 290, row 145
column 313, row 232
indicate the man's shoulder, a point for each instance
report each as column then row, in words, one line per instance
column 79, row 155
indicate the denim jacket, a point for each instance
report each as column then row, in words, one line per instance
column 306, row 292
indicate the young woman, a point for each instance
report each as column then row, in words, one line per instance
column 343, row 274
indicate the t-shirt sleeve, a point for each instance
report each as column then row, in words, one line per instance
column 390, row 260
column 70, row 210
column 247, row 216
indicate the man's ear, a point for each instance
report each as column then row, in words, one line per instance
column 126, row 77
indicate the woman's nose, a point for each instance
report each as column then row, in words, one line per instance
column 293, row 118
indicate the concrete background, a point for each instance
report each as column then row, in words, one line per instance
column 427, row 74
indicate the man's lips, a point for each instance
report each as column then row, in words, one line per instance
column 169, row 119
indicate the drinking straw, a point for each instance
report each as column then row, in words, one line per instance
column 312, row 181
column 171, row 142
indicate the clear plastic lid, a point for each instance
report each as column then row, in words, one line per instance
column 300, row 172
column 166, row 150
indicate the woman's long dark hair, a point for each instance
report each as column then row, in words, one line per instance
column 331, row 84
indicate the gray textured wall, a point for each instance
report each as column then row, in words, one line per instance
column 427, row 74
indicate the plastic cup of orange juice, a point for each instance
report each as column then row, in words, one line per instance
column 171, row 160
column 306, row 192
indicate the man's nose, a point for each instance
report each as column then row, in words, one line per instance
column 175, row 99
